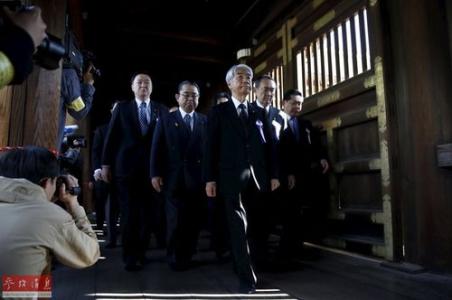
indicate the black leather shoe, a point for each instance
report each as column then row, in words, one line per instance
column 246, row 288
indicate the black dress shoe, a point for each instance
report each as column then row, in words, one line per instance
column 246, row 288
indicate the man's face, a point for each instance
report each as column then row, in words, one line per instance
column 293, row 106
column 265, row 92
column 187, row 98
column 49, row 187
column 142, row 86
column 240, row 84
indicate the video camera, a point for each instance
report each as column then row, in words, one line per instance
column 71, row 151
column 74, row 190
column 50, row 51
column 80, row 61
column 69, row 158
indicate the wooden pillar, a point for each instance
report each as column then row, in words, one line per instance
column 422, row 117
column 29, row 112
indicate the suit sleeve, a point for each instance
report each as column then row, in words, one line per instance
column 111, row 138
column 319, row 151
column 286, row 152
column 272, row 149
column 158, row 152
column 212, row 146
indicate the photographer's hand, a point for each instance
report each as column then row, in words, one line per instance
column 88, row 77
column 31, row 21
column 106, row 174
column 69, row 200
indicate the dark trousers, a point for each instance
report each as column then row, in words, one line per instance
column 101, row 191
column 302, row 210
column 236, row 214
column 184, row 213
column 259, row 223
column 135, row 196
column 107, row 208
column 217, row 225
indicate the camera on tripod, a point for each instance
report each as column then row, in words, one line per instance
column 50, row 51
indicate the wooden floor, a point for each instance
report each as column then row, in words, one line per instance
column 325, row 275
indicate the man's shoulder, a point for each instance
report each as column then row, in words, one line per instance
column 201, row 116
column 159, row 106
column 304, row 122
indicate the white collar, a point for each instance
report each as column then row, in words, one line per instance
column 284, row 115
column 183, row 113
column 237, row 103
column 267, row 108
column 138, row 102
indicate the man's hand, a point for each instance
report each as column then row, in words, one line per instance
column 211, row 189
column 291, row 182
column 97, row 174
column 325, row 165
column 157, row 183
column 274, row 183
column 31, row 21
column 69, row 200
column 106, row 174
column 88, row 77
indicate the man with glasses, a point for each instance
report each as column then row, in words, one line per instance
column 176, row 170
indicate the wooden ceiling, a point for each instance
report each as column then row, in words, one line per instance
column 172, row 40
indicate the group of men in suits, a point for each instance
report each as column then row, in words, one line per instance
column 240, row 153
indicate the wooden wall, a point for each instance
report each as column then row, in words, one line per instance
column 422, row 117
column 388, row 196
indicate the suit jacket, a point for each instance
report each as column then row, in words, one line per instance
column 177, row 152
column 98, row 146
column 232, row 148
column 274, row 119
column 302, row 154
column 126, row 150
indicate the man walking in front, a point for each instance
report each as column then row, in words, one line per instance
column 239, row 163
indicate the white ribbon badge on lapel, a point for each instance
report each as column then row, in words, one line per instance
column 260, row 126
column 308, row 132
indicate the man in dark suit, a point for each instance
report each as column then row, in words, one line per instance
column 239, row 163
column 126, row 157
column 303, row 160
column 106, row 202
column 264, row 89
column 176, row 169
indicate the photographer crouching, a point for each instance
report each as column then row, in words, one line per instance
column 32, row 227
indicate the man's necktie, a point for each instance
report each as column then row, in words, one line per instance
column 143, row 118
column 187, row 120
column 294, row 127
column 242, row 113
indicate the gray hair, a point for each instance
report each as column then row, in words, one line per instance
column 232, row 71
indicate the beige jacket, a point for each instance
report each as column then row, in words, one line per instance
column 32, row 228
